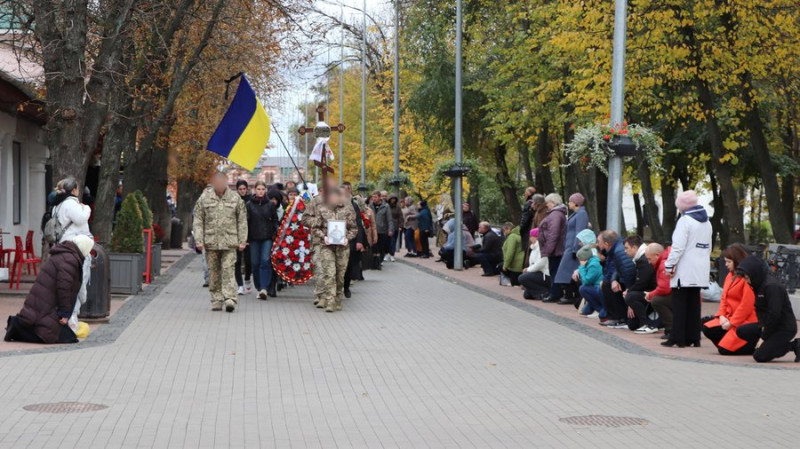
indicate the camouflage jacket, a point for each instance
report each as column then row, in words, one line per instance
column 318, row 213
column 220, row 222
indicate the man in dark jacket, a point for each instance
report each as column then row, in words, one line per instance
column 526, row 222
column 425, row 225
column 490, row 254
column 645, row 281
column 357, row 245
column 777, row 325
column 51, row 301
column 384, row 225
column 619, row 273
column 469, row 219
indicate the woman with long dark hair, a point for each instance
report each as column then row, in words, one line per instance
column 262, row 222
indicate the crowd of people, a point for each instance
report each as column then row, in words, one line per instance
column 556, row 256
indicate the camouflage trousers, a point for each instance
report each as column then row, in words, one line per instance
column 330, row 264
column 221, row 274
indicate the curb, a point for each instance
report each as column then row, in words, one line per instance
column 603, row 337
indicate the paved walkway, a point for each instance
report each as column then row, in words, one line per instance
column 413, row 361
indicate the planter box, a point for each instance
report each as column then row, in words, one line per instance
column 126, row 273
column 623, row 146
column 155, row 265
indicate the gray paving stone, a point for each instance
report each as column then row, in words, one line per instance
column 413, row 361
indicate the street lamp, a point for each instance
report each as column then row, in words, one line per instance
column 614, row 210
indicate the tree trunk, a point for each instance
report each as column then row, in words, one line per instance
column 650, row 212
column 506, row 184
column 670, row 211
column 188, row 193
column 718, row 229
column 121, row 134
column 781, row 229
column 544, row 178
column 601, row 189
column 637, row 208
column 732, row 216
column 525, row 158
column 788, row 182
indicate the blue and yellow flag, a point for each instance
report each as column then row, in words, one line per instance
column 243, row 133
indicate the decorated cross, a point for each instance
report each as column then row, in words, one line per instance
column 322, row 132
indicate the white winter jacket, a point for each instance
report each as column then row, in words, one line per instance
column 691, row 250
column 537, row 263
column 74, row 218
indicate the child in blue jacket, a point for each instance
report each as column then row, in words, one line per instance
column 591, row 275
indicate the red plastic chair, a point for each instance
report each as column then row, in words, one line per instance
column 19, row 261
column 5, row 253
column 29, row 251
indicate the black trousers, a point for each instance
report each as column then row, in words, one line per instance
column 636, row 301
column 17, row 332
column 776, row 346
column 715, row 334
column 616, row 309
column 353, row 270
column 685, row 315
column 424, row 240
column 488, row 263
column 242, row 257
column 536, row 285
column 513, row 276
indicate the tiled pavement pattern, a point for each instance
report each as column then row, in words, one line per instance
column 412, row 362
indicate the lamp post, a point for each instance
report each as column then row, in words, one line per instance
column 614, row 211
column 396, row 141
column 362, row 186
column 458, row 257
column 341, row 104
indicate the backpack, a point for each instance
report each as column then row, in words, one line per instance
column 53, row 229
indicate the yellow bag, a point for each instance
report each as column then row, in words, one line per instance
column 83, row 330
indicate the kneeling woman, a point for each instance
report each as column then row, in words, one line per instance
column 774, row 333
column 51, row 301
column 736, row 308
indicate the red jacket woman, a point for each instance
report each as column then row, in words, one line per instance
column 736, row 307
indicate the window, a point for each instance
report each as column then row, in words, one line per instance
column 17, row 181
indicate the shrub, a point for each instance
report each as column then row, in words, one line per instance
column 147, row 214
column 127, row 236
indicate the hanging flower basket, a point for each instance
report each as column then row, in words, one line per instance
column 593, row 145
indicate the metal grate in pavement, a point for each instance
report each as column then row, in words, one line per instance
column 65, row 407
column 604, row 421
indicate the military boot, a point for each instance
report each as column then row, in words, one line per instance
column 333, row 305
column 216, row 306
column 230, row 305
column 321, row 303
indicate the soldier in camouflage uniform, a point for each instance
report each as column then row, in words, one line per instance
column 330, row 261
column 220, row 228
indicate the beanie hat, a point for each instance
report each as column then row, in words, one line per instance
column 585, row 253
column 685, row 200
column 576, row 199
column 535, row 233
column 84, row 244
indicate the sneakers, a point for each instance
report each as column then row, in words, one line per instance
column 262, row 295
column 611, row 323
column 619, row 325
column 594, row 314
column 240, row 292
column 230, row 305
column 205, row 284
column 646, row 330
column 248, row 286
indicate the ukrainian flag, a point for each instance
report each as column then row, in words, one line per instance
column 243, row 133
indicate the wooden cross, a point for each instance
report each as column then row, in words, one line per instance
column 324, row 164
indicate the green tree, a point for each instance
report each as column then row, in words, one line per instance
column 127, row 236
